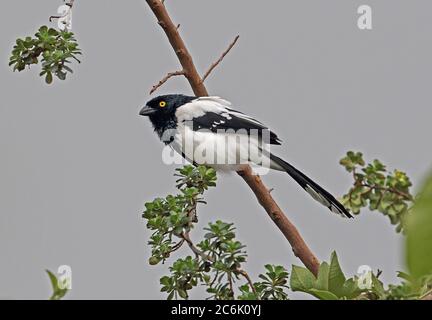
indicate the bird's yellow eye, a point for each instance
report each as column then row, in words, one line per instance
column 162, row 104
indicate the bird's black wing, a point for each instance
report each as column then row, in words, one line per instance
column 230, row 119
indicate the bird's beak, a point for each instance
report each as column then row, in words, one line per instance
column 146, row 111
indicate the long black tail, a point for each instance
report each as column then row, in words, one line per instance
column 317, row 192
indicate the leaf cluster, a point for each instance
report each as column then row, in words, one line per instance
column 378, row 189
column 330, row 284
column 218, row 257
column 171, row 217
column 53, row 48
column 217, row 266
column 272, row 287
column 410, row 288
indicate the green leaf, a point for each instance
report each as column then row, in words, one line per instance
column 49, row 77
column 154, row 261
column 336, row 276
column 323, row 294
column 322, row 282
column 61, row 75
column 52, row 32
column 182, row 293
column 378, row 287
column 67, row 69
column 350, row 289
column 301, row 279
column 419, row 233
column 43, row 29
column 405, row 276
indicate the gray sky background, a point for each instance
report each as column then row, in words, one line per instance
column 77, row 162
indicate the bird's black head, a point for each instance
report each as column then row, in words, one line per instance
column 165, row 106
column 161, row 110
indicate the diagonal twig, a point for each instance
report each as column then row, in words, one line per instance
column 215, row 64
column 249, row 281
column 198, row 252
column 165, row 79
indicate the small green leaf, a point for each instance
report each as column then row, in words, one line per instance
column 378, row 287
column 336, row 276
column 154, row 261
column 323, row 295
column 182, row 293
column 61, row 75
column 322, row 282
column 301, row 279
column 49, row 77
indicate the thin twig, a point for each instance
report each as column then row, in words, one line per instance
column 249, row 281
column 165, row 79
column 357, row 182
column 230, row 282
column 391, row 190
column 215, row 64
column 185, row 236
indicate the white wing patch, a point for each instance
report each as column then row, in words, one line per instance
column 198, row 107
column 337, row 211
column 318, row 197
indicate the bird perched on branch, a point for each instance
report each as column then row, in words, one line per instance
column 207, row 130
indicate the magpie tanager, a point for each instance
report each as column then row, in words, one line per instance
column 204, row 122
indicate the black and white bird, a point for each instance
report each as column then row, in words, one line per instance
column 206, row 121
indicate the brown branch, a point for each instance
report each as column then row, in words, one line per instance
column 301, row 250
column 404, row 195
column 215, row 64
column 165, row 79
column 230, row 282
column 299, row 246
column 179, row 47
column 198, row 252
column 249, row 281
